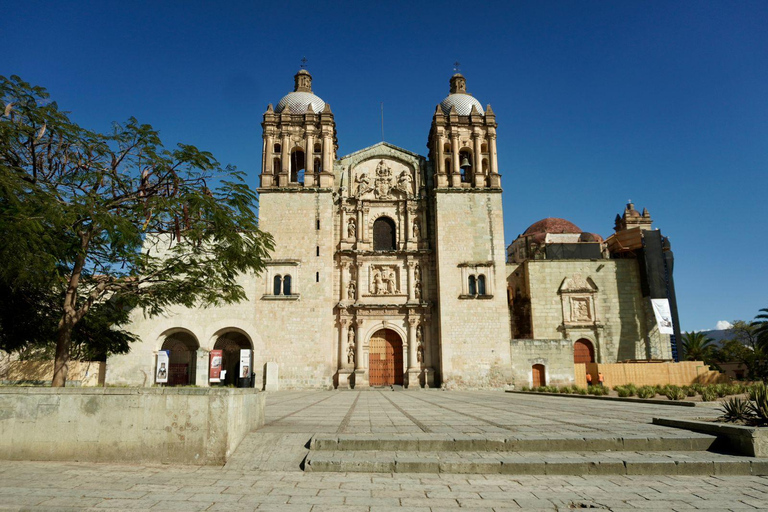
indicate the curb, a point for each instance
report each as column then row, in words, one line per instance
column 652, row 401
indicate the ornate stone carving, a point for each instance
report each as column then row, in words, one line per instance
column 383, row 184
column 405, row 183
column 363, row 184
column 417, row 291
column 351, row 291
column 384, row 280
column 419, row 344
column 416, row 229
column 351, row 345
column 580, row 309
column 351, row 228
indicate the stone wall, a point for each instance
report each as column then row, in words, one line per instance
column 81, row 373
column 616, row 321
column 555, row 355
column 162, row 425
column 473, row 330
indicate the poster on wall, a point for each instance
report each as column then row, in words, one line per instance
column 245, row 363
column 663, row 315
column 161, row 377
column 214, row 371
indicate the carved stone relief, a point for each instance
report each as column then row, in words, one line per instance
column 384, row 279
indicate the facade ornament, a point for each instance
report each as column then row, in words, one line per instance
column 384, row 281
column 351, row 228
column 416, row 230
column 417, row 273
column 351, row 345
column 417, row 291
column 363, row 184
column 405, row 183
column 419, row 344
column 351, row 291
column 383, row 183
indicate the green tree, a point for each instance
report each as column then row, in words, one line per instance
column 697, row 346
column 115, row 220
column 743, row 346
column 761, row 328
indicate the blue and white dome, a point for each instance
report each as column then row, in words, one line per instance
column 462, row 102
column 297, row 103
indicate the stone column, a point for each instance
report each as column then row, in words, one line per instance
column 440, row 156
column 343, row 330
column 413, row 365
column 201, row 368
column 344, row 284
column 429, row 373
column 411, row 282
column 327, row 152
column 494, row 163
column 269, row 146
column 359, row 279
column 455, row 170
column 309, row 162
column 366, row 212
column 478, row 154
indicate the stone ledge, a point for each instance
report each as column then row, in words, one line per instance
column 614, row 398
column 750, row 441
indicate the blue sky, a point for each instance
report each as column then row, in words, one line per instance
column 598, row 102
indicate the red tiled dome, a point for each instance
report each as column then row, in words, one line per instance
column 552, row 225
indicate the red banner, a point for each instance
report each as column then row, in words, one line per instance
column 214, row 372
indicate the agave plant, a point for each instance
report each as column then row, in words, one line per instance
column 760, row 405
column 675, row 393
column 646, row 392
column 736, row 409
column 708, row 394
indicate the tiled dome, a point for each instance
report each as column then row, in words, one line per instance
column 462, row 102
column 297, row 103
column 552, row 225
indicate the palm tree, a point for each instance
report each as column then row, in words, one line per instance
column 697, row 346
column 761, row 324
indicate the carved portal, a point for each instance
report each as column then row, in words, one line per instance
column 384, row 279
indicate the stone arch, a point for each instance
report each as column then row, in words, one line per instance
column 230, row 340
column 583, row 351
column 384, row 233
column 182, row 346
column 386, row 356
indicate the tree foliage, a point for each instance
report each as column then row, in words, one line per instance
column 98, row 223
column 697, row 346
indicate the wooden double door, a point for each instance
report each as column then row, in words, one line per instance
column 385, row 359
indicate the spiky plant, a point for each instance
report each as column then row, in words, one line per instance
column 736, row 409
column 760, row 405
column 674, row 393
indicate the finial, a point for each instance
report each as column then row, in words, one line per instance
column 303, row 63
column 456, row 66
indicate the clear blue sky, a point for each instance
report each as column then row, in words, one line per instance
column 664, row 103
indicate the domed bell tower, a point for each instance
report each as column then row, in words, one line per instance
column 462, row 141
column 300, row 142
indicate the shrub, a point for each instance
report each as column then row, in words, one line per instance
column 551, row 389
column 736, row 409
column 623, row 391
column 565, row 390
column 721, row 390
column 541, row 389
column 525, row 388
column 675, row 393
column 753, row 390
column 632, row 389
column 708, row 394
column 582, row 391
column 575, row 389
column 646, row 392
column 689, row 391
column 598, row 390
column 697, row 387
column 760, row 405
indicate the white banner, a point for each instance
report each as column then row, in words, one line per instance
column 245, row 363
column 663, row 315
column 162, row 367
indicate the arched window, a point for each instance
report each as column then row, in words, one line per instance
column 277, row 285
column 276, row 167
column 448, row 166
column 287, row 285
column 278, row 148
column 472, row 285
column 317, row 147
column 298, row 166
column 317, row 165
column 384, row 234
column 446, row 148
column 481, row 284
column 465, row 165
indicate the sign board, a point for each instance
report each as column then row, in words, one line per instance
column 214, row 371
column 663, row 315
column 245, row 363
column 161, row 377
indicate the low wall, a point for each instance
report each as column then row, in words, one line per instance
column 555, row 355
column 750, row 441
column 683, row 373
column 158, row 425
column 81, row 373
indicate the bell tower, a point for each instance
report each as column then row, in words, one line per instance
column 473, row 314
column 300, row 143
column 462, row 141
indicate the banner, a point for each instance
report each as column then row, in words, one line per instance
column 663, row 315
column 245, row 363
column 162, row 367
column 214, row 371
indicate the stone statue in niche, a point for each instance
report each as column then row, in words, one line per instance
column 351, row 291
column 417, row 290
column 405, row 183
column 416, row 230
column 363, row 184
column 351, row 229
column 420, row 344
column 351, row 345
column 417, row 272
column 383, row 184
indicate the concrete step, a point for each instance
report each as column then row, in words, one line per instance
column 678, row 441
column 533, row 463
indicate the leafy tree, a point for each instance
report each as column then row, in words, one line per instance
column 697, row 347
column 743, row 346
column 98, row 223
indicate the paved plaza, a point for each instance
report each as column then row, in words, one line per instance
column 265, row 473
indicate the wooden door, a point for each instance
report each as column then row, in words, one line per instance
column 539, row 375
column 385, row 359
column 583, row 351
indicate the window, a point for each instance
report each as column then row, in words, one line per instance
column 384, row 234
column 278, row 148
column 318, row 223
column 465, row 165
column 287, row 285
column 317, row 277
column 472, row 286
column 318, row 250
column 317, row 147
column 276, row 168
column 481, row 284
column 298, row 166
column 317, row 165
column 277, row 285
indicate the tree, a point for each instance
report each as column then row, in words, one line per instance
column 743, row 346
column 116, row 220
column 761, row 328
column 696, row 346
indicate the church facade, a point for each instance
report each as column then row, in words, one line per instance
column 390, row 268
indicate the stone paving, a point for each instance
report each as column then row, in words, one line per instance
column 245, row 485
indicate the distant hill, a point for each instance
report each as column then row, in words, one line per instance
column 719, row 335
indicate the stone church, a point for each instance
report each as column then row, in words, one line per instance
column 390, row 268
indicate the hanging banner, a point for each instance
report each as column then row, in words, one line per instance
column 245, row 363
column 214, row 371
column 663, row 315
column 162, row 366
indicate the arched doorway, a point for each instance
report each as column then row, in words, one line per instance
column 583, row 351
column 539, row 375
column 385, row 359
column 230, row 344
column 181, row 359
